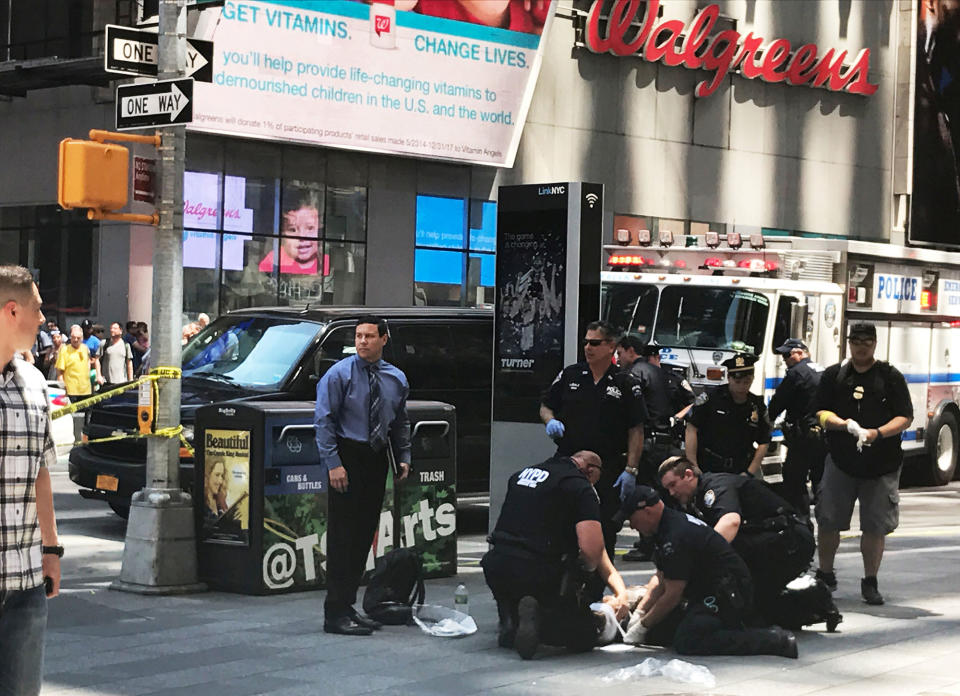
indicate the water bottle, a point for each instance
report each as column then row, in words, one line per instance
column 461, row 599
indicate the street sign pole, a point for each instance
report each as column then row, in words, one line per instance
column 160, row 555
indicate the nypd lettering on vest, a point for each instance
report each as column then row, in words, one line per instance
column 531, row 477
column 614, row 392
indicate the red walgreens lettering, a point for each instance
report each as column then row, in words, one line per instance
column 725, row 51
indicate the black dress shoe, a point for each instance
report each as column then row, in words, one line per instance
column 346, row 626
column 359, row 618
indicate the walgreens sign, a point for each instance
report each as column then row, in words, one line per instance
column 694, row 46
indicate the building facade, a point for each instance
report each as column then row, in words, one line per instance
column 279, row 221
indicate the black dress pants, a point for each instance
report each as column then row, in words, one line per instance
column 565, row 616
column 352, row 521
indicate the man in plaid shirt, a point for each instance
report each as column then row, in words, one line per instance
column 29, row 551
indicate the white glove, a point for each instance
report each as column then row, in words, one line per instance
column 858, row 432
column 636, row 632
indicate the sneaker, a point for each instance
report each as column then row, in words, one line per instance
column 828, row 578
column 527, row 638
column 869, row 591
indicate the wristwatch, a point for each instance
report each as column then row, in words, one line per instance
column 631, row 470
column 53, row 550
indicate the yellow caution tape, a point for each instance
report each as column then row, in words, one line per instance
column 154, row 376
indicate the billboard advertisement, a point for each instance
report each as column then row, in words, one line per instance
column 935, row 203
column 445, row 79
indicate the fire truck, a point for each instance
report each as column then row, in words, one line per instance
column 704, row 297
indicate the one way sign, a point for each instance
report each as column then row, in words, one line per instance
column 157, row 104
column 134, row 52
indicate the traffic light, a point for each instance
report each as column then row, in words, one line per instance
column 93, row 175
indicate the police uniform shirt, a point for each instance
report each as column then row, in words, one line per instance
column 871, row 398
column 687, row 549
column 796, row 393
column 681, row 393
column 596, row 417
column 656, row 394
column 720, row 493
column 544, row 503
column 729, row 429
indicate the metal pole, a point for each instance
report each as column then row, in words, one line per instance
column 159, row 555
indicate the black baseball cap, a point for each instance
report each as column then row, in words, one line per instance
column 789, row 345
column 639, row 498
column 650, row 349
column 86, row 324
column 863, row 331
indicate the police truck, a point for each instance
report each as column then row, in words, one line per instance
column 703, row 298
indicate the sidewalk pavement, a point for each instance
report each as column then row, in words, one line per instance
column 103, row 643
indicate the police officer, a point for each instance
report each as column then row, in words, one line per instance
column 696, row 564
column 772, row 539
column 592, row 405
column 722, row 431
column 801, row 431
column 665, row 396
column 547, row 542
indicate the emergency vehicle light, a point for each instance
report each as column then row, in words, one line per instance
column 715, row 373
column 713, row 262
column 680, row 263
column 925, row 297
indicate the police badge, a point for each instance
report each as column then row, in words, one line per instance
column 709, row 498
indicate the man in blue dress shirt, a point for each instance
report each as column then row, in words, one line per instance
column 361, row 413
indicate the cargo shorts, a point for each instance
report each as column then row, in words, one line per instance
column 879, row 500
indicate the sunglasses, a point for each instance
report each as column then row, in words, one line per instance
column 594, row 341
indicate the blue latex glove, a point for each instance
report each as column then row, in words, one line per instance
column 627, row 483
column 554, row 429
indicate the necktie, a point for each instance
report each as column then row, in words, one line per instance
column 375, row 422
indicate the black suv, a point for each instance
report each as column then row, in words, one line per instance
column 280, row 354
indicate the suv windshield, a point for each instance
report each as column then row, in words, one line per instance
column 630, row 308
column 248, row 351
column 712, row 318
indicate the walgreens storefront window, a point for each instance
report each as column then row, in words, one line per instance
column 266, row 224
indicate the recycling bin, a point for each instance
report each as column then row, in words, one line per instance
column 261, row 499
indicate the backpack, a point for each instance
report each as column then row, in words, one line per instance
column 396, row 583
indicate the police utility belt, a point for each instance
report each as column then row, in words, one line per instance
column 659, row 437
column 732, row 465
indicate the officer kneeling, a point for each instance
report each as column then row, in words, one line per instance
column 547, row 553
column 701, row 598
column 773, row 540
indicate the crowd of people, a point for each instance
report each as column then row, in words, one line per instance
column 729, row 550
column 91, row 357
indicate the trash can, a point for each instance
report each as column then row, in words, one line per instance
column 261, row 500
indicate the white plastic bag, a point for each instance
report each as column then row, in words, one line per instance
column 675, row 670
column 443, row 622
column 688, row 673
